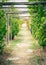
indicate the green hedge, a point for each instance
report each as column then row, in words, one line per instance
column 15, row 27
column 2, row 29
column 42, row 34
column 38, row 24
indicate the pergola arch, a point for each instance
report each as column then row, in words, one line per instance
column 8, row 4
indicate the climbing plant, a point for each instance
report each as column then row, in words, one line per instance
column 2, row 29
column 14, row 22
column 38, row 23
column 15, row 27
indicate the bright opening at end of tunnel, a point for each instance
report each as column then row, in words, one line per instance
column 24, row 25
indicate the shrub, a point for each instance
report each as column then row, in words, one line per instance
column 2, row 29
column 42, row 35
column 15, row 27
column 38, row 24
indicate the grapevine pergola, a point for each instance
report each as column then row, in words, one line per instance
column 5, row 4
column 23, row 3
column 8, row 4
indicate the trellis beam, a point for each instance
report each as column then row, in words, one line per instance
column 23, row 3
column 22, row 12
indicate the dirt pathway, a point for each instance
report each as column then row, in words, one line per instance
column 22, row 53
column 22, row 50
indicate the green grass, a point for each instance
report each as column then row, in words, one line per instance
column 14, row 42
column 37, row 60
column 35, row 46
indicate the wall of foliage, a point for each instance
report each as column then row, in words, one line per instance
column 38, row 23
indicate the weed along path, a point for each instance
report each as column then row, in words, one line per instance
column 22, row 53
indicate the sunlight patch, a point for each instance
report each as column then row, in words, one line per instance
column 23, row 45
column 13, row 58
column 29, row 51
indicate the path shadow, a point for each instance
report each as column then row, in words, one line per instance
column 37, row 60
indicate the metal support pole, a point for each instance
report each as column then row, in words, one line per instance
column 11, row 28
column 7, row 28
